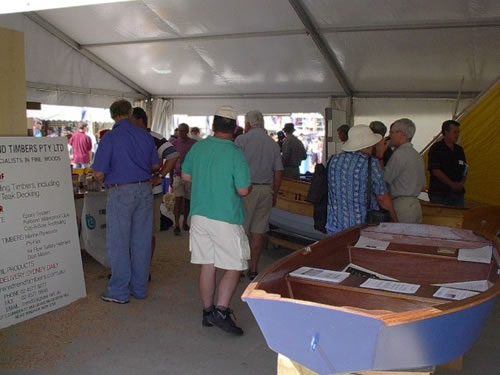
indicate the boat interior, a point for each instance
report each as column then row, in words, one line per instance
column 416, row 254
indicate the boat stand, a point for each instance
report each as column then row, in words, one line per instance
column 288, row 367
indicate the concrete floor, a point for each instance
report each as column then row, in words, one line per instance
column 163, row 334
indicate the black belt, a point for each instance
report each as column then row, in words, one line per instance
column 130, row 183
column 259, row 183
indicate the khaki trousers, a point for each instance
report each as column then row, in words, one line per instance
column 408, row 210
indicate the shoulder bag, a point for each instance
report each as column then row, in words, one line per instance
column 374, row 216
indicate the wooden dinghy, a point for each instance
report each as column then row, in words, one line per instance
column 345, row 326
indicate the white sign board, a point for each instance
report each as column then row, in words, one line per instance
column 93, row 232
column 40, row 261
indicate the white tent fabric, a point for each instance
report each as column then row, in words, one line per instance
column 67, row 77
column 427, row 114
column 162, row 117
column 260, row 54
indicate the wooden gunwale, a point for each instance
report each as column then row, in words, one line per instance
column 279, row 271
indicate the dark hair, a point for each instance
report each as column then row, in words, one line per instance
column 83, row 125
column 448, row 124
column 343, row 129
column 239, row 131
column 224, row 125
column 139, row 113
column 120, row 108
column 378, row 127
column 195, row 129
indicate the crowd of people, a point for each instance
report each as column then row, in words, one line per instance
column 228, row 183
column 377, row 173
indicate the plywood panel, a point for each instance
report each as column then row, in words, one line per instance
column 12, row 84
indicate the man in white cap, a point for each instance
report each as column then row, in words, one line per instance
column 348, row 182
column 220, row 178
column 264, row 160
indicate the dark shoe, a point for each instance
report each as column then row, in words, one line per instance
column 206, row 316
column 222, row 319
column 108, row 298
column 185, row 227
column 177, row 231
column 252, row 275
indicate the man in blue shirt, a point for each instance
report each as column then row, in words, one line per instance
column 124, row 161
column 348, row 182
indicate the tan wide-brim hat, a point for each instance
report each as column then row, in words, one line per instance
column 360, row 137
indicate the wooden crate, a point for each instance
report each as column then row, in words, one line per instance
column 288, row 367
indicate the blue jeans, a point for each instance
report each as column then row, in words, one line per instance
column 448, row 199
column 129, row 221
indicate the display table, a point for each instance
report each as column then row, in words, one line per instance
column 91, row 218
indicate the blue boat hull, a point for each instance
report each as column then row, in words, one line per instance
column 330, row 341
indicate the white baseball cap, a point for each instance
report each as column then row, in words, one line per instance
column 226, row 111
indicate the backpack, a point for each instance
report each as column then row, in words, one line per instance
column 318, row 195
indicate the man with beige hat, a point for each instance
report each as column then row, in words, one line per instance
column 220, row 178
column 348, row 182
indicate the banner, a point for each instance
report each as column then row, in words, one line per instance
column 40, row 261
column 93, row 223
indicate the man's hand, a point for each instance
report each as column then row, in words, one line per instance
column 457, row 187
column 156, row 180
column 381, row 147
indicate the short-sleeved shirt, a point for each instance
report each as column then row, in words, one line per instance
column 166, row 150
column 262, row 153
column 182, row 146
column 218, row 168
column 347, row 190
column 451, row 162
column 82, row 144
column 126, row 154
column 293, row 151
column 405, row 172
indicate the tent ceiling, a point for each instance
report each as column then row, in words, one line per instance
column 236, row 48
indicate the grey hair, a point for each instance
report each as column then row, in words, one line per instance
column 378, row 127
column 405, row 126
column 255, row 119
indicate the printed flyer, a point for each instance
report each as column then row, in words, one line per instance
column 40, row 261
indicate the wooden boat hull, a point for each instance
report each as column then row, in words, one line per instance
column 292, row 198
column 333, row 329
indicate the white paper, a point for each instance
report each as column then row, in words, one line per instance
column 454, row 294
column 476, row 285
column 367, row 271
column 320, row 274
column 480, row 255
column 368, row 243
column 390, row 286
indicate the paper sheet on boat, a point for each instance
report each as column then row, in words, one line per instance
column 354, row 269
column 479, row 255
column 454, row 294
column 319, row 274
column 391, row 286
column 476, row 285
column 371, row 244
